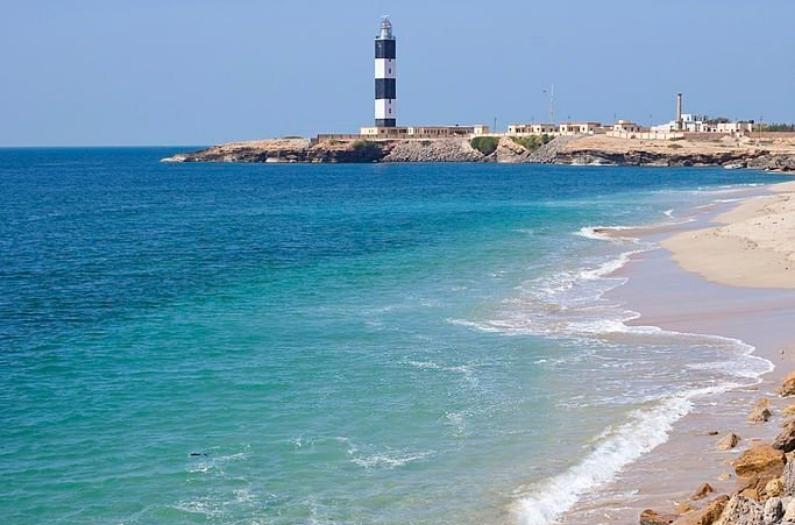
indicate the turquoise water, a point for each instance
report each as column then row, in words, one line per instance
column 318, row 344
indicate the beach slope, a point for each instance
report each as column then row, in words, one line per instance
column 753, row 245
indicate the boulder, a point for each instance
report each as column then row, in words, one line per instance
column 651, row 517
column 707, row 515
column 788, row 410
column 751, row 493
column 742, row 511
column 728, row 442
column 774, row 488
column 787, row 387
column 789, row 514
column 773, row 511
column 788, row 477
column 684, row 507
column 704, row 490
column 761, row 460
column 760, row 412
column 785, row 440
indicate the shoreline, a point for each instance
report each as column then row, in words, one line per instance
column 657, row 288
column 775, row 153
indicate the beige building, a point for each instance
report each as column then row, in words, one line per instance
column 735, row 128
column 626, row 126
column 533, row 129
column 567, row 128
column 424, row 131
column 579, row 128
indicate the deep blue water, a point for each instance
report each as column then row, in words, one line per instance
column 239, row 344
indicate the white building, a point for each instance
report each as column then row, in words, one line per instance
column 690, row 123
column 554, row 130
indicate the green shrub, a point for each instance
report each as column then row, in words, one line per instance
column 775, row 127
column 532, row 142
column 485, row 145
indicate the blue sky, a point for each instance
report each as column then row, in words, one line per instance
column 91, row 72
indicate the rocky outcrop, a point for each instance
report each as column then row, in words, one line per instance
column 580, row 150
column 764, row 494
column 787, row 387
column 707, row 515
column 772, row 162
column 785, row 439
column 773, row 511
column 510, row 152
column 436, row 150
column 742, row 511
column 552, row 152
column 788, row 477
column 759, row 460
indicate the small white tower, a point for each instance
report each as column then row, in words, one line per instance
column 385, row 77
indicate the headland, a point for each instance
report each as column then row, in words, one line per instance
column 768, row 151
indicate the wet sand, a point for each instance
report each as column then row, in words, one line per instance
column 674, row 299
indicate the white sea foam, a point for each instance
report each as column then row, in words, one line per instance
column 590, row 232
column 466, row 371
column 570, row 304
column 389, row 461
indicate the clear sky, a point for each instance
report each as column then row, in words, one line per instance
column 105, row 72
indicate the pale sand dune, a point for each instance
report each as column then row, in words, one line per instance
column 753, row 247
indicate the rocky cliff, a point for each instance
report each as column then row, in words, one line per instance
column 775, row 154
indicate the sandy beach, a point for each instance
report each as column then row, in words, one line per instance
column 725, row 271
column 753, row 246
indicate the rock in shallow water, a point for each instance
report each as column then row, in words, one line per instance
column 652, row 517
column 704, row 490
column 760, row 413
column 728, row 442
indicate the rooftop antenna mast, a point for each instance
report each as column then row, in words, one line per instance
column 551, row 94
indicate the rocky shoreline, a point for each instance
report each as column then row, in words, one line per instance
column 771, row 153
column 765, row 474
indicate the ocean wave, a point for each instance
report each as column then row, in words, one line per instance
column 644, row 430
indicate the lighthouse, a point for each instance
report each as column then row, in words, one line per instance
column 385, row 77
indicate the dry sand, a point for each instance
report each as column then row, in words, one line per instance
column 754, row 245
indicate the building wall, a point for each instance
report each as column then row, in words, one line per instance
column 645, row 135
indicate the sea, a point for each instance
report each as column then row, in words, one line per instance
column 332, row 344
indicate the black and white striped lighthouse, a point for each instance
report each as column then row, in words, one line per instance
column 385, row 77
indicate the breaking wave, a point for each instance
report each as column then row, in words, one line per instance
column 570, row 304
